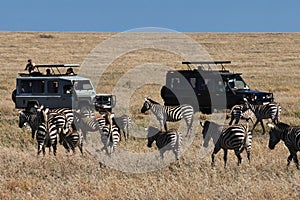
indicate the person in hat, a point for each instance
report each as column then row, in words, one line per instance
column 30, row 66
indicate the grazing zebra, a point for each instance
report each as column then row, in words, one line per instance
column 266, row 111
column 291, row 137
column 170, row 140
column 238, row 112
column 31, row 119
column 168, row 113
column 110, row 137
column 123, row 123
column 72, row 139
column 234, row 137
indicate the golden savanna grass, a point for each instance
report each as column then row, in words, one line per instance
column 268, row 61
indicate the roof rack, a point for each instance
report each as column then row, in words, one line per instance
column 57, row 66
column 208, row 63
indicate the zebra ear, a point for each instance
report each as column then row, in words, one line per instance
column 245, row 99
column 271, row 125
column 147, row 99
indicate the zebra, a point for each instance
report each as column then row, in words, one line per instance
column 72, row 139
column 236, row 137
column 238, row 112
column 31, row 118
column 170, row 140
column 46, row 135
column 265, row 111
column 168, row 113
column 291, row 137
column 123, row 123
column 110, row 137
column 88, row 124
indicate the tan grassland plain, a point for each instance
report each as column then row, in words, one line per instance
column 268, row 61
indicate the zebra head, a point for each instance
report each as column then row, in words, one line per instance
column 23, row 118
column 205, row 127
column 152, row 133
column 146, row 106
column 211, row 130
column 276, row 133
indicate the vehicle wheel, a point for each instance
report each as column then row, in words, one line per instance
column 13, row 95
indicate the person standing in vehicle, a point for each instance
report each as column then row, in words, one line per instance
column 30, row 66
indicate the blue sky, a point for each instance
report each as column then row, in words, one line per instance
column 182, row 16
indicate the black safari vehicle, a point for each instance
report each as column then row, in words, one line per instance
column 207, row 83
column 55, row 89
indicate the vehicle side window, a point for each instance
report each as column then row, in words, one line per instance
column 68, row 89
column 193, row 82
column 52, row 87
column 38, row 86
column 26, row 86
column 175, row 84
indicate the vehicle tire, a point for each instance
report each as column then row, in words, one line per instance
column 13, row 95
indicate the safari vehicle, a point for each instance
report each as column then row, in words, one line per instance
column 208, row 83
column 57, row 90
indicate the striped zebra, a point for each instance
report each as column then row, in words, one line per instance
column 33, row 120
column 46, row 135
column 235, row 137
column 123, row 123
column 110, row 137
column 72, row 139
column 30, row 118
column 88, row 124
column 170, row 114
column 238, row 112
column 266, row 111
column 170, row 140
column 290, row 135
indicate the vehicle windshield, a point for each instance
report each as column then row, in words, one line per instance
column 237, row 83
column 83, row 85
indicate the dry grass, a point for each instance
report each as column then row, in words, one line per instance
column 268, row 61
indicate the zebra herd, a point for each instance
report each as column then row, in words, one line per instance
column 69, row 128
column 237, row 137
column 50, row 124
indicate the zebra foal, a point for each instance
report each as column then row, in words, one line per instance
column 170, row 113
column 170, row 140
column 234, row 137
column 290, row 135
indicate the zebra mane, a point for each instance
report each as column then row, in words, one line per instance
column 152, row 101
column 282, row 125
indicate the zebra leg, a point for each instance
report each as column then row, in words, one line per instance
column 248, row 156
column 289, row 159
column 238, row 155
column 296, row 160
column 263, row 127
column 54, row 149
column 161, row 152
column 175, row 153
column 257, row 120
column 225, row 157
column 231, row 120
column 32, row 133
column 216, row 150
column 165, row 126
